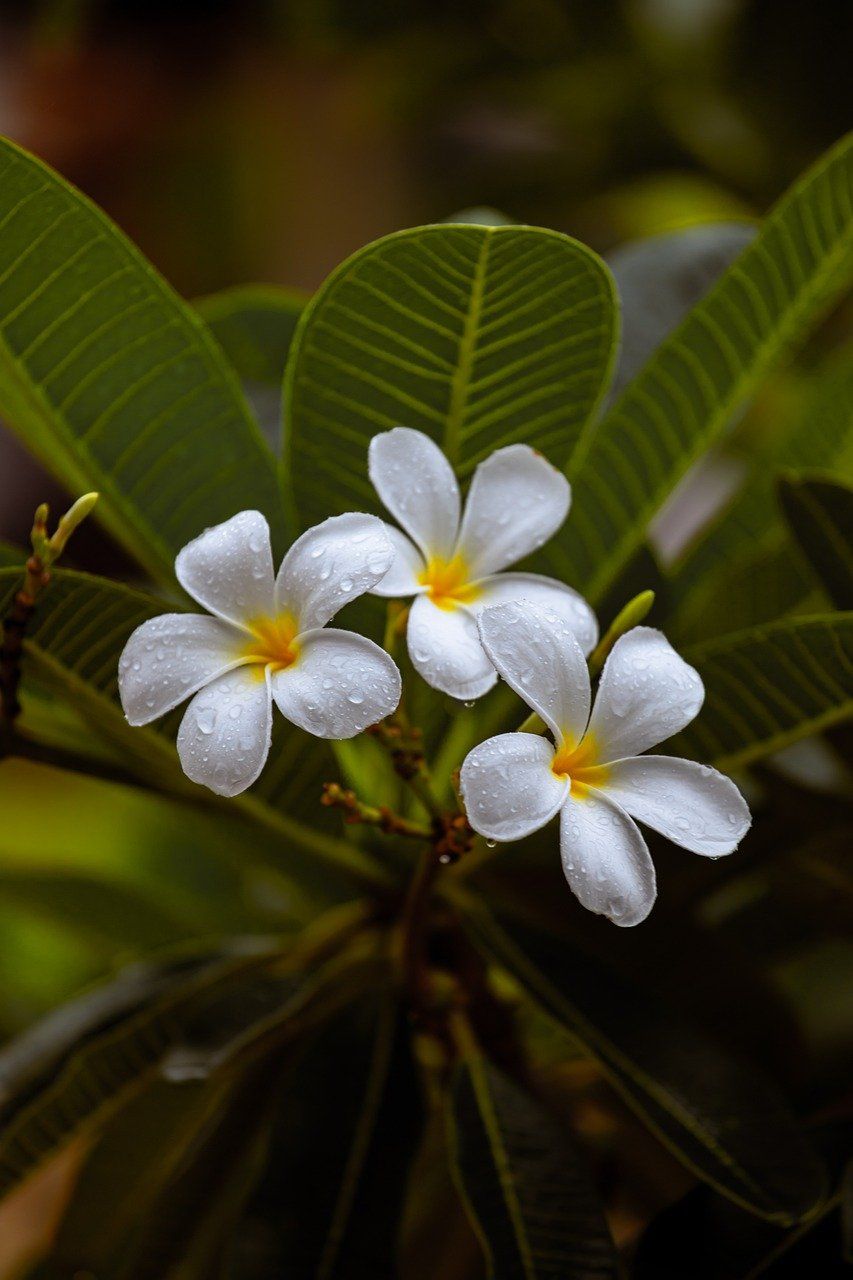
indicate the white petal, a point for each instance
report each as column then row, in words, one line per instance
column 331, row 564
column 169, row 658
column 549, row 594
column 403, row 578
column 224, row 738
column 605, row 859
column 689, row 803
column 339, row 684
column 445, row 648
column 417, row 485
column 517, row 500
column 228, row 568
column 538, row 656
column 508, row 787
column 646, row 694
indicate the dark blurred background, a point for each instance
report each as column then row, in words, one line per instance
column 266, row 141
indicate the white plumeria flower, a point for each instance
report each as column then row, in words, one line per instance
column 267, row 642
column 593, row 774
column 517, row 500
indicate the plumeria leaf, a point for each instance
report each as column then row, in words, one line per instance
column 161, row 1126
column 800, row 262
column 523, row 1181
column 195, row 1023
column 820, row 513
column 332, row 1195
column 254, row 324
column 769, row 686
column 742, row 569
column 480, row 336
column 189, row 1225
column 72, row 649
column 112, row 915
column 718, row 1114
column 112, row 380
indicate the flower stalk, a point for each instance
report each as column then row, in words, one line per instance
column 46, row 550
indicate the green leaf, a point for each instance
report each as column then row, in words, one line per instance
column 113, row 915
column 189, row 1230
column 478, row 336
column 203, row 1023
column 331, row 1199
column 128, row 1167
column 767, row 687
column 820, row 513
column 36, row 1057
column 113, row 381
column 254, row 325
column 523, row 1182
column 720, row 1115
column 73, row 644
column 743, row 569
column 800, row 262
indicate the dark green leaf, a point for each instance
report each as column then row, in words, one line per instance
column 330, row 1203
column 254, row 324
column 189, row 1230
column 479, row 336
column 820, row 513
column 206, row 1022
column 722, row 1117
column 525, row 1185
column 743, row 569
column 111, row 913
column 112, row 380
column 769, row 686
column 685, row 396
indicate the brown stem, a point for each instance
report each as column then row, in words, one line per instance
column 413, row 926
column 356, row 811
column 15, row 625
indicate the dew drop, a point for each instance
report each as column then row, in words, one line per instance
column 206, row 720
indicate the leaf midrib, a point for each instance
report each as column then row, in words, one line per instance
column 461, row 379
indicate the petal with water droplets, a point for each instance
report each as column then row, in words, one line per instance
column 537, row 654
column 417, row 485
column 517, row 500
column 605, row 859
column 689, row 803
column 445, row 648
column 545, row 593
column 224, row 738
column 339, row 685
column 508, row 786
column 646, row 694
column 169, row 658
column 331, row 564
column 228, row 568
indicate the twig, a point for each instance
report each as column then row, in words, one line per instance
column 356, row 811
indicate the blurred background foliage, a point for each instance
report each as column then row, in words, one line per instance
column 239, row 142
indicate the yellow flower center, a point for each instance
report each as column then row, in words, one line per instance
column 577, row 764
column 273, row 642
column 448, row 582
